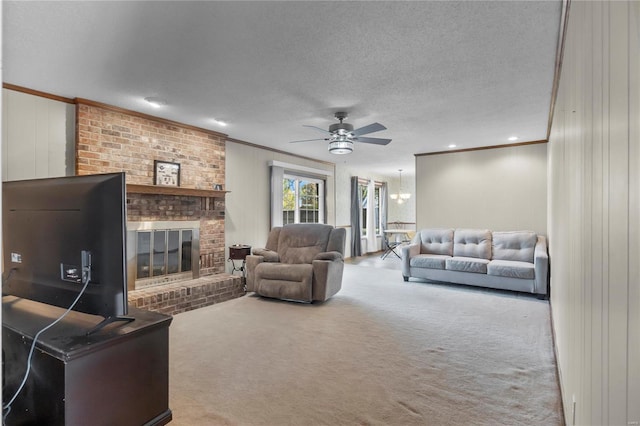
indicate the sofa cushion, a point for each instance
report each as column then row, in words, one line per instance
column 431, row 261
column 518, row 246
column 472, row 243
column 435, row 241
column 511, row 269
column 300, row 243
column 467, row 264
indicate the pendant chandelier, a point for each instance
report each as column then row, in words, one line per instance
column 400, row 197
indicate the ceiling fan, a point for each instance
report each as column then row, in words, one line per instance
column 341, row 136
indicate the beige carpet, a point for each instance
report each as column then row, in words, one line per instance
column 380, row 352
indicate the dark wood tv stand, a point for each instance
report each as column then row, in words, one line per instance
column 118, row 375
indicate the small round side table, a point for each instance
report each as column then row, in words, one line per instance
column 239, row 252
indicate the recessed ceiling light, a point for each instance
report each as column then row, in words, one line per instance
column 453, row 145
column 155, row 101
column 219, row 122
column 513, row 138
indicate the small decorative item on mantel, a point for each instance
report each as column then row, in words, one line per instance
column 217, row 187
column 166, row 173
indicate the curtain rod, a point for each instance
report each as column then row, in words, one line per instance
column 365, row 180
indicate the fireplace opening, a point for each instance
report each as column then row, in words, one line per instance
column 161, row 252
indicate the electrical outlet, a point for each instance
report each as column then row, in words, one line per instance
column 70, row 273
column 16, row 258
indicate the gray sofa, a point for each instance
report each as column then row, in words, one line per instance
column 302, row 262
column 503, row 260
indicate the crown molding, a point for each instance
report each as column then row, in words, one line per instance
column 481, row 148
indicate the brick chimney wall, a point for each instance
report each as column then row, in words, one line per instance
column 110, row 139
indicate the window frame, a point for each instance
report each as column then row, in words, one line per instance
column 363, row 189
column 298, row 178
column 377, row 190
column 279, row 169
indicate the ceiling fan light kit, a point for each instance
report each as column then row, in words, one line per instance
column 341, row 136
column 341, row 147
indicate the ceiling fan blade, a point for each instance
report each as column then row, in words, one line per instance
column 374, row 127
column 317, row 128
column 309, row 140
column 376, row 141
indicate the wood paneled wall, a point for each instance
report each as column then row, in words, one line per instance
column 594, row 215
column 38, row 137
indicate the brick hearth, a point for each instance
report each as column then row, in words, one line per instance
column 185, row 296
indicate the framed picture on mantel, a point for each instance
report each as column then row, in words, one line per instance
column 166, row 173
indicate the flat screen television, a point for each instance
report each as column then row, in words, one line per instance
column 58, row 232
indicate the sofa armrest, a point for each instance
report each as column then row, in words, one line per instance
column 268, row 255
column 328, row 255
column 541, row 266
column 250, row 267
column 407, row 252
column 327, row 278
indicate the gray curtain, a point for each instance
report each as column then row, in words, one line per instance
column 383, row 210
column 356, row 245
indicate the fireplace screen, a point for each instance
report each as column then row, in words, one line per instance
column 162, row 255
column 163, row 252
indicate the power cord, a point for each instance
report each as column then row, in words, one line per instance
column 7, row 407
column 8, row 277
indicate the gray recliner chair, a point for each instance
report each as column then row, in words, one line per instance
column 302, row 262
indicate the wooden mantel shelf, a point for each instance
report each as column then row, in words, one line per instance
column 174, row 190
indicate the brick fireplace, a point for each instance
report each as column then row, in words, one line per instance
column 111, row 139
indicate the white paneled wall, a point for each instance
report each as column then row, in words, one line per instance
column 37, row 137
column 594, row 215
column 502, row 189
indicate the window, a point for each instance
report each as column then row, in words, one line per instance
column 364, row 207
column 364, row 190
column 302, row 200
column 376, row 212
column 298, row 193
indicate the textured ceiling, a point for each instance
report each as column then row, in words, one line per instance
column 470, row 73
